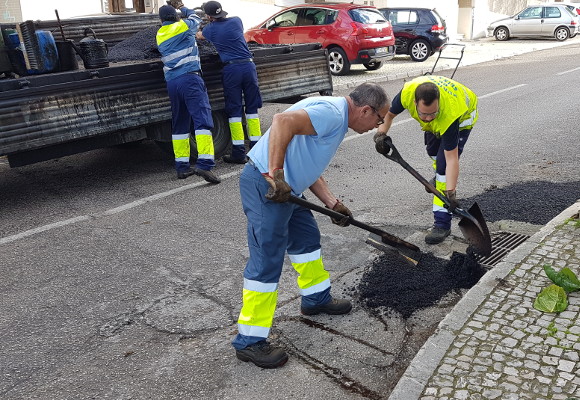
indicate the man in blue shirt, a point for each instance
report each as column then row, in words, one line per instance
column 187, row 93
column 289, row 159
column 239, row 77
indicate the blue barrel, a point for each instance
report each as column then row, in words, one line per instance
column 48, row 52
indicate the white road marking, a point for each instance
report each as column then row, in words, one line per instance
column 566, row 72
column 501, row 91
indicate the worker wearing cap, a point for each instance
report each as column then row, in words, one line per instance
column 187, row 93
column 288, row 160
column 446, row 111
column 239, row 77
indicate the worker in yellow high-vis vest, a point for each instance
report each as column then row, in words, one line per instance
column 187, row 93
column 446, row 111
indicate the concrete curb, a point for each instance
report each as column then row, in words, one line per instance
column 413, row 381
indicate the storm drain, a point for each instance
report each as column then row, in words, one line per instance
column 501, row 244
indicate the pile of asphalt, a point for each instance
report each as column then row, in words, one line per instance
column 534, row 202
column 143, row 46
column 394, row 283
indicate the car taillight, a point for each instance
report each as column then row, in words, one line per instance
column 357, row 30
column 437, row 29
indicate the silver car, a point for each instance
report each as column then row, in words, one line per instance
column 545, row 20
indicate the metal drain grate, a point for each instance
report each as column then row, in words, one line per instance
column 501, row 244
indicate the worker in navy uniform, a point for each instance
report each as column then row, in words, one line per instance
column 239, row 77
column 187, row 93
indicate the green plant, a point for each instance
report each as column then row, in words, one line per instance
column 554, row 298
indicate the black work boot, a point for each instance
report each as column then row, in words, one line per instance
column 437, row 235
column 207, row 175
column 333, row 307
column 263, row 354
column 185, row 174
column 231, row 160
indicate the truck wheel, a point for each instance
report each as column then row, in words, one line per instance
column 221, row 138
column 338, row 61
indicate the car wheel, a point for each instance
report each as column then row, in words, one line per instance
column 419, row 50
column 338, row 61
column 373, row 65
column 561, row 34
column 502, row 33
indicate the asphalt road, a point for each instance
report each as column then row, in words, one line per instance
column 118, row 281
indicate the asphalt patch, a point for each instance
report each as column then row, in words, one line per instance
column 535, row 202
column 394, row 283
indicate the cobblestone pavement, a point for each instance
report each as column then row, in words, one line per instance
column 494, row 344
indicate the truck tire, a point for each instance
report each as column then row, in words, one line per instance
column 221, row 139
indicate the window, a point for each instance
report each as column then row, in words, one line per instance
column 287, row 18
column 403, row 17
column 314, row 16
column 553, row 12
column 531, row 12
column 367, row 16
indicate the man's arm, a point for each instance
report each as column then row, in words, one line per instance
column 284, row 127
column 322, row 191
column 396, row 109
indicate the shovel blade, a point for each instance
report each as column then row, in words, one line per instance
column 475, row 230
column 411, row 253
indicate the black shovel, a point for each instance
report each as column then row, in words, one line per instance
column 408, row 250
column 472, row 223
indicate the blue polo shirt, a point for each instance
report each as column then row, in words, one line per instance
column 308, row 156
column 227, row 35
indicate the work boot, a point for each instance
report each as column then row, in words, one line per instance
column 263, row 354
column 437, row 235
column 207, row 175
column 231, row 160
column 185, row 174
column 333, row 307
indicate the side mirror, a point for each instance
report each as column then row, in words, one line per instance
column 271, row 24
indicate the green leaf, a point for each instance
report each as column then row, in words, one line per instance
column 552, row 299
column 566, row 279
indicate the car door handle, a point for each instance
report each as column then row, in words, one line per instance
column 290, row 33
column 320, row 32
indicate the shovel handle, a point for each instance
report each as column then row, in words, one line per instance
column 387, row 237
column 394, row 155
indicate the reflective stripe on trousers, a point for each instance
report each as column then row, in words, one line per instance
column 273, row 230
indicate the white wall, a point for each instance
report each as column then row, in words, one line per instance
column 44, row 10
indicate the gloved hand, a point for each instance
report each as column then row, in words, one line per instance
column 383, row 143
column 279, row 190
column 175, row 3
column 341, row 208
column 452, row 197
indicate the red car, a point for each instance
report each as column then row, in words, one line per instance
column 353, row 34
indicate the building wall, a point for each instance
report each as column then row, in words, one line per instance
column 10, row 11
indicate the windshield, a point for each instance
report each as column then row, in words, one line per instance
column 367, row 16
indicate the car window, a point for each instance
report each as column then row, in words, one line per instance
column 313, row 16
column 437, row 17
column 367, row 16
column 287, row 18
column 531, row 12
column 403, row 17
column 553, row 12
column 331, row 16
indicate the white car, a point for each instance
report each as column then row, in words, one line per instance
column 555, row 20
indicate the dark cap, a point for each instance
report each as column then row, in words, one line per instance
column 214, row 9
column 168, row 13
